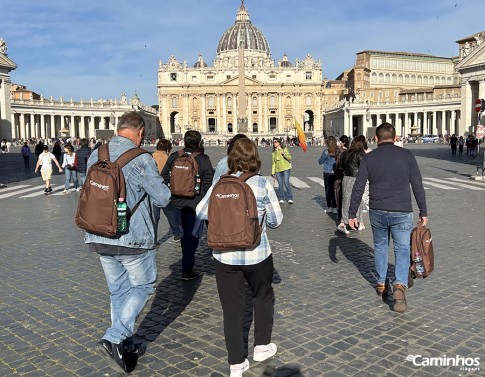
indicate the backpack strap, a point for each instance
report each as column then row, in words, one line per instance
column 103, row 152
column 122, row 160
column 129, row 155
column 246, row 175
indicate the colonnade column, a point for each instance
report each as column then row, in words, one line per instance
column 92, row 133
column 203, row 126
column 260, row 112
column 453, row 129
column 52, row 125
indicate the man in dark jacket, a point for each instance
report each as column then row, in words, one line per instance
column 82, row 155
column 191, row 227
column 392, row 172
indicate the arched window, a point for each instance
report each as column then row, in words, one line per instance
column 394, row 78
column 374, row 77
column 288, row 101
column 211, row 101
column 381, row 77
column 255, row 102
column 229, row 102
column 400, row 79
column 175, row 101
column 388, row 77
column 229, row 127
column 308, row 100
column 255, row 127
column 194, row 102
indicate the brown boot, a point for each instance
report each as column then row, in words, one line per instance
column 399, row 298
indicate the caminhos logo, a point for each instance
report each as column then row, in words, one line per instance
column 181, row 167
column 227, row 196
column 464, row 363
column 99, row 185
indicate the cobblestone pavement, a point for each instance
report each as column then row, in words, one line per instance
column 54, row 302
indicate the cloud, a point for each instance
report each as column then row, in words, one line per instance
column 105, row 47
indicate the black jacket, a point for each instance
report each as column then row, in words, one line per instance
column 350, row 161
column 82, row 155
column 392, row 171
column 206, row 172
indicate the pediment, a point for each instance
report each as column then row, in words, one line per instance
column 6, row 63
column 235, row 81
column 475, row 59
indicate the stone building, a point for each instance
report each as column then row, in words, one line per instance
column 418, row 93
column 25, row 114
column 207, row 97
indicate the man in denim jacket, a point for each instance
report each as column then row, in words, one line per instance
column 129, row 261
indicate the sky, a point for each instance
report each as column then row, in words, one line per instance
column 103, row 48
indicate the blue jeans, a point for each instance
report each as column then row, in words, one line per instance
column 169, row 214
column 284, row 187
column 70, row 176
column 399, row 225
column 131, row 281
column 81, row 178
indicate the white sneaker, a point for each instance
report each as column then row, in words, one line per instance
column 238, row 369
column 282, row 201
column 342, row 228
column 262, row 353
column 78, row 189
column 290, row 201
column 65, row 191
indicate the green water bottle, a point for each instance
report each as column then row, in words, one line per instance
column 122, row 220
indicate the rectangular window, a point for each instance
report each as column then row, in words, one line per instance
column 253, row 76
column 210, row 78
column 194, row 78
column 229, row 112
column 272, row 77
column 228, row 77
column 173, row 77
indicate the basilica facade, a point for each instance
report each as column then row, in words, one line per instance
column 206, row 97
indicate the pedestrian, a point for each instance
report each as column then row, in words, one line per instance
column 327, row 159
column 25, row 151
column 222, row 166
column 461, row 143
column 343, row 145
column 392, row 172
column 82, row 156
column 129, row 261
column 45, row 163
column 39, row 148
column 191, row 227
column 236, row 268
column 57, row 151
column 349, row 163
column 69, row 163
column 161, row 156
column 281, row 169
column 453, row 144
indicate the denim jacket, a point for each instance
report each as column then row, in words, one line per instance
column 141, row 176
column 327, row 161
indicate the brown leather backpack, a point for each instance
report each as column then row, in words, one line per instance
column 233, row 215
column 104, row 185
column 183, row 174
column 422, row 243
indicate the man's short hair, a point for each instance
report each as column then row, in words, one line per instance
column 192, row 139
column 131, row 120
column 385, row 131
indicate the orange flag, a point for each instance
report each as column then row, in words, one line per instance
column 301, row 136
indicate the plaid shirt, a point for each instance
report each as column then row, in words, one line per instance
column 268, row 206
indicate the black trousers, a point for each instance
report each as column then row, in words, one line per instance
column 231, row 287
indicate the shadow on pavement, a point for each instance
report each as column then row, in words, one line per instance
column 362, row 257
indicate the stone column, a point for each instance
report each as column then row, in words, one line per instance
column 203, row 116
column 453, row 129
column 92, row 133
column 260, row 113
column 6, row 126
column 23, row 131
column 53, row 125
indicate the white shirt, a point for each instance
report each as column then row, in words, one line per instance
column 46, row 160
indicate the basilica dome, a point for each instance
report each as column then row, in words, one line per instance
column 243, row 32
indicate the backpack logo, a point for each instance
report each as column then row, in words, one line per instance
column 99, row 185
column 227, row 196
